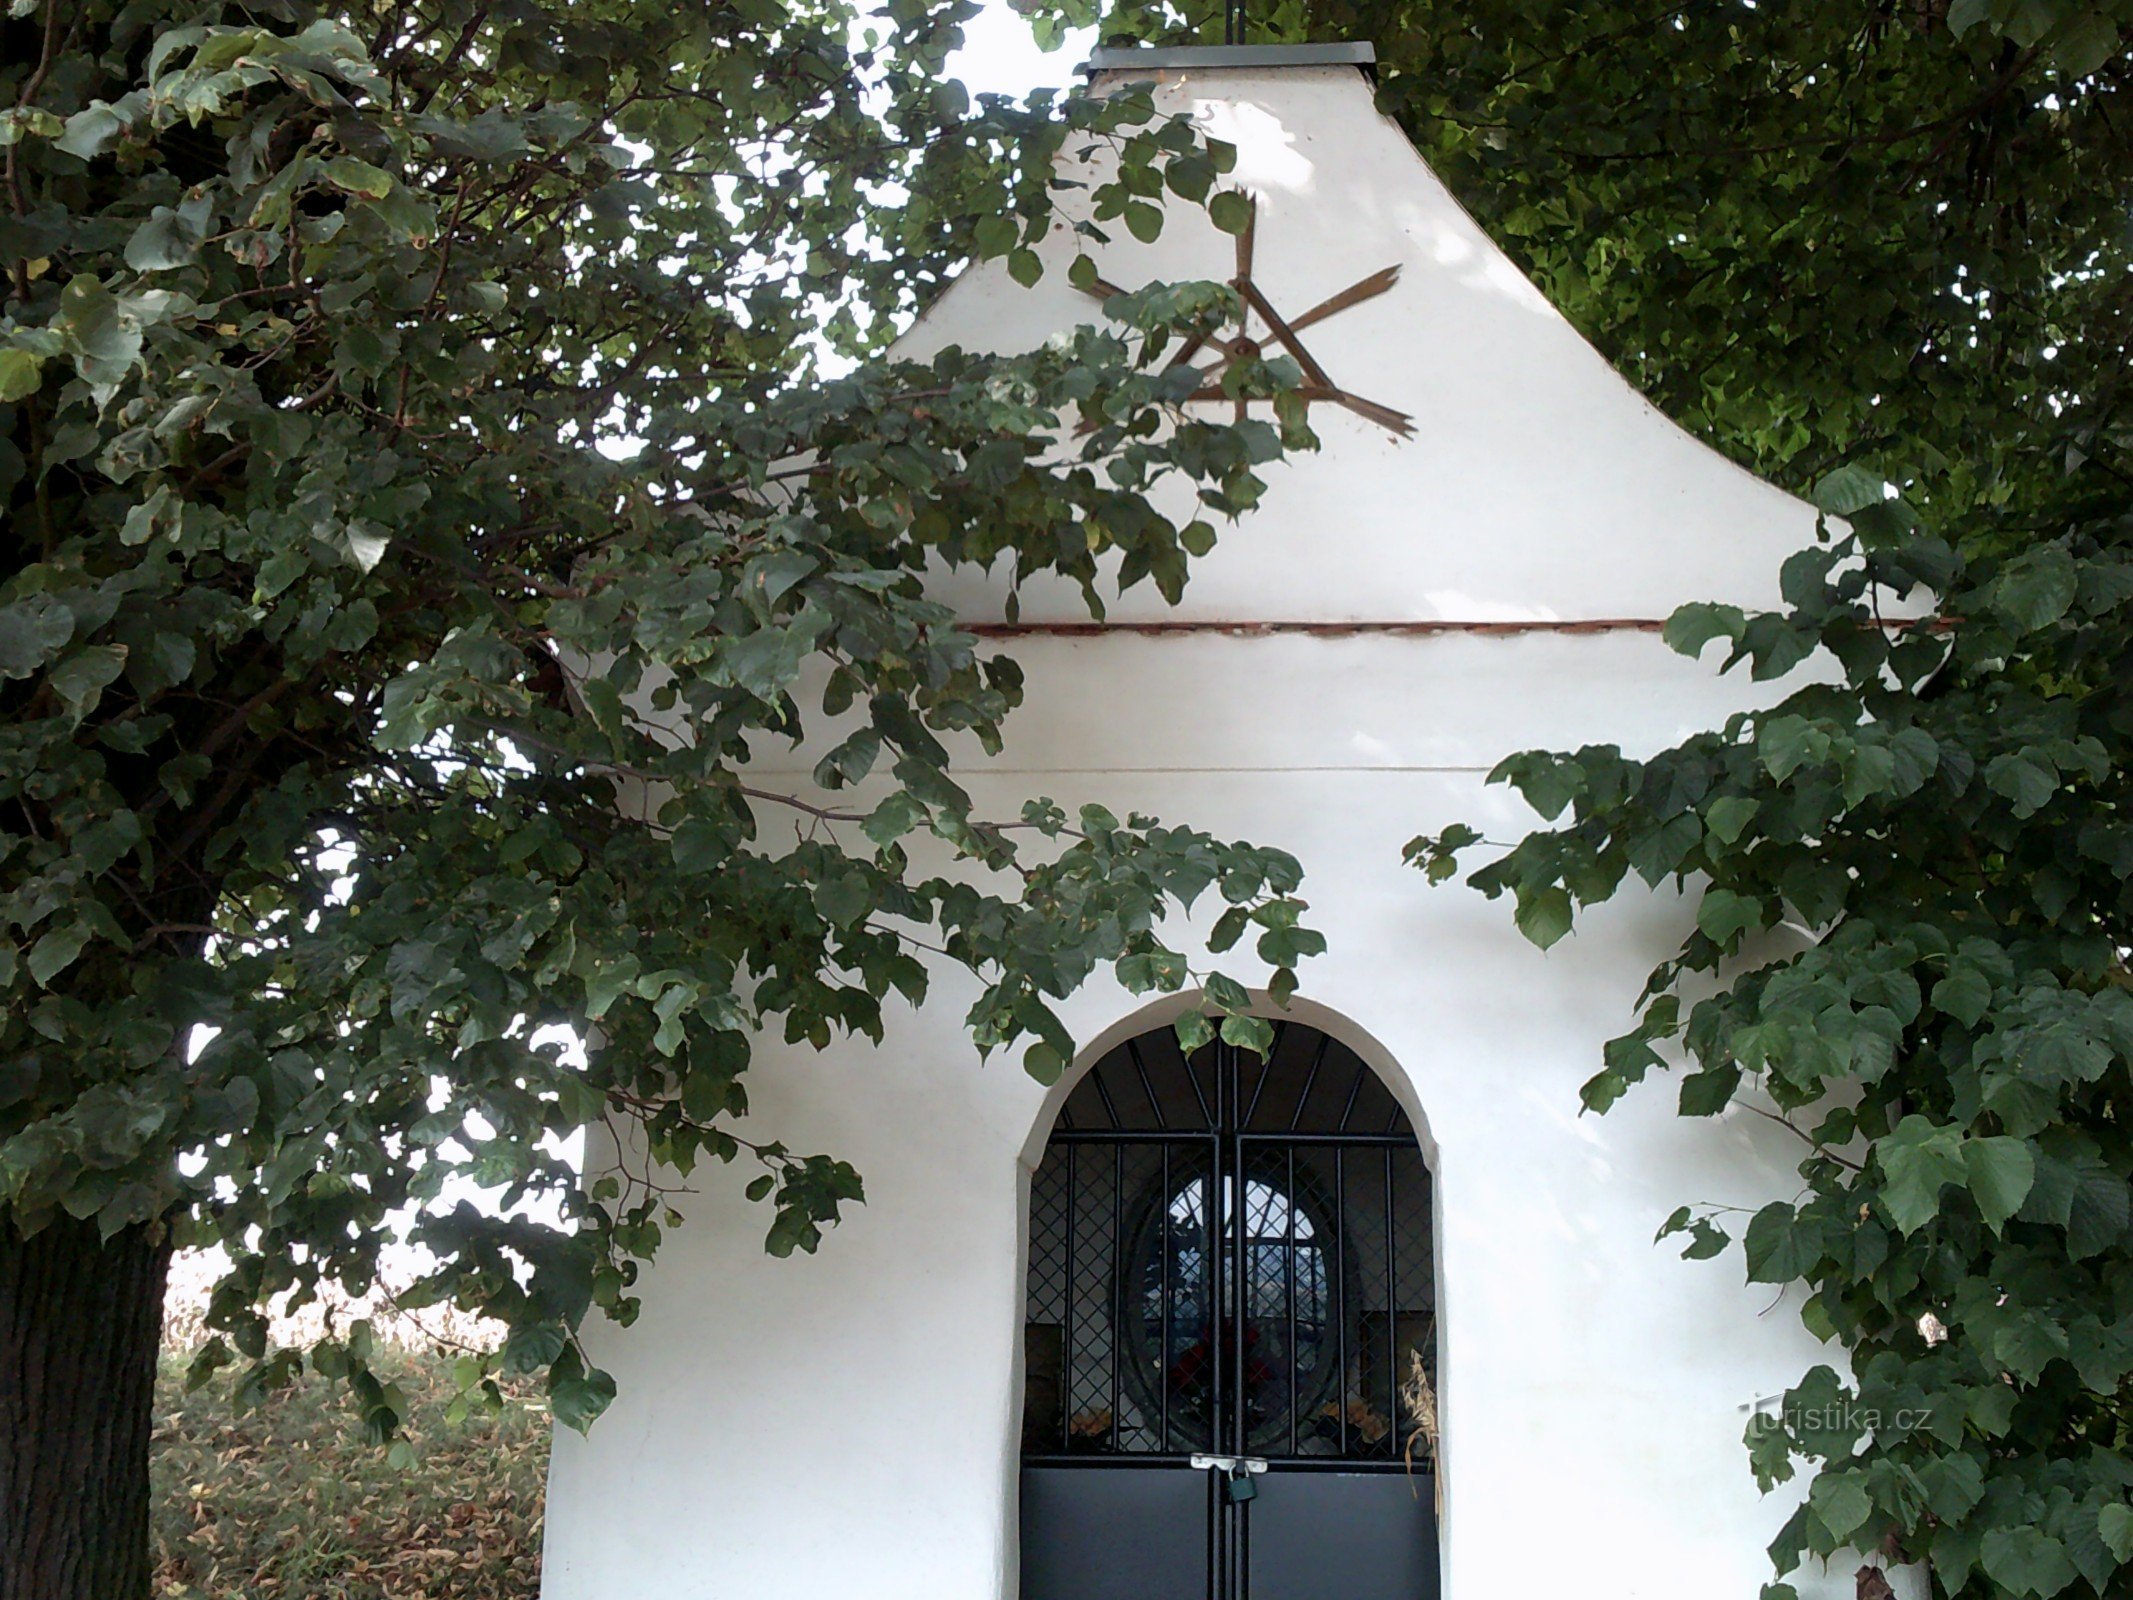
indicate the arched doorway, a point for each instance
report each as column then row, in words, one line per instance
column 1230, row 1333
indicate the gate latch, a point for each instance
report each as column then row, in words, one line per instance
column 1237, row 1474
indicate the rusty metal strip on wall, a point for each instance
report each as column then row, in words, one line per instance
column 1576, row 625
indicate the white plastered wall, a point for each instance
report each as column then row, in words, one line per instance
column 847, row 1423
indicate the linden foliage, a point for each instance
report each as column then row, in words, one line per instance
column 1879, row 253
column 1882, row 255
column 364, row 709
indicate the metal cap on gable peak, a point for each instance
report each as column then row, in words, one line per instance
column 1184, row 58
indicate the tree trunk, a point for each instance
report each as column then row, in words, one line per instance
column 80, row 1320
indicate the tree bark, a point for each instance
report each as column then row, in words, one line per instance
column 80, row 1322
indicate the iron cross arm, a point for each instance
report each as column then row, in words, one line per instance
column 1281, row 331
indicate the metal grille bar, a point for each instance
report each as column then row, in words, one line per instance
column 1259, row 1293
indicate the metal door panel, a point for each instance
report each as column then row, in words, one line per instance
column 1344, row 1536
column 1117, row 1533
column 1228, row 1259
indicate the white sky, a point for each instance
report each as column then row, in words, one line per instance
column 1000, row 57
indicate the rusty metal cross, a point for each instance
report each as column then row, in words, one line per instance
column 1244, row 343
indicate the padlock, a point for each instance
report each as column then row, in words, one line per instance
column 1239, row 1485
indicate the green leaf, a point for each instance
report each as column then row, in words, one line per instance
column 2084, row 43
column 844, row 899
column 2027, row 782
column 1230, row 210
column 171, row 237
column 1544, row 917
column 2026, row 1343
column 1915, row 756
column 1228, row 929
column 1600, row 1092
column 1785, row 744
column 1841, row 1503
column 2115, row 1523
column 1724, row 915
column 896, row 816
column 1991, row 1407
column 1999, row 1171
column 1964, row 994
column 995, row 236
column 1044, row 1063
column 1869, row 770
column 1849, row 490
column 2098, row 1212
column 21, row 372
column 1024, row 267
column 577, row 1398
column 91, row 131
column 80, row 680
column 1779, row 1245
column 352, row 176
column 55, row 951
column 1285, row 946
column 1918, row 1160
column 1953, row 1484
column 1162, row 970
column 1728, row 817
column 2038, row 590
column 1691, row 627
column 1706, row 1094
column 767, row 661
column 1549, row 783
column 31, row 633
column 2027, row 1561
column 102, row 334
column 698, row 845
column 530, row 1349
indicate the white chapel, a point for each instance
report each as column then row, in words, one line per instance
column 1380, row 1317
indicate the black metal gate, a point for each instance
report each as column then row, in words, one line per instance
column 1230, row 1342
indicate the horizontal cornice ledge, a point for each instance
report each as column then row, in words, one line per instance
column 1343, row 630
column 1205, row 57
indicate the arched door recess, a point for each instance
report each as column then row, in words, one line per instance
column 1230, row 1321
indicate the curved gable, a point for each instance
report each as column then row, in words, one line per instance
column 1536, row 484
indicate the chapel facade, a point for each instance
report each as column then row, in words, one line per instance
column 1379, row 1317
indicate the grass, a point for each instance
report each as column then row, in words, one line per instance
column 287, row 1500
